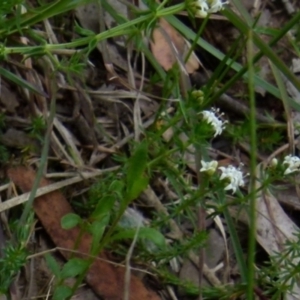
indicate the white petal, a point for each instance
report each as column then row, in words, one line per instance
column 209, row 167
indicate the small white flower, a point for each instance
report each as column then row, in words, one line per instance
column 216, row 5
column 293, row 164
column 211, row 118
column 234, row 176
column 209, row 167
column 204, row 7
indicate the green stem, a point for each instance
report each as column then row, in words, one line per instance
column 239, row 254
column 44, row 157
column 124, row 28
column 253, row 162
column 259, row 55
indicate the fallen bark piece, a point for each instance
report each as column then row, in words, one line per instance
column 104, row 278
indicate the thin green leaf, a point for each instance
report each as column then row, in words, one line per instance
column 53, row 265
column 74, row 267
column 146, row 233
column 137, row 163
column 62, row 292
column 239, row 253
column 21, row 82
column 117, row 187
column 97, row 229
column 242, row 71
column 139, row 185
column 243, row 11
column 136, row 179
column 104, row 206
column 265, row 48
column 70, row 221
column 253, row 164
column 281, row 87
column 36, row 15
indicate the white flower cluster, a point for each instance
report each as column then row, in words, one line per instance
column 233, row 175
column 293, row 164
column 213, row 118
column 205, row 7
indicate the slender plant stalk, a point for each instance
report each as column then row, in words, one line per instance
column 186, row 86
column 242, row 71
column 120, row 30
column 253, row 162
column 44, row 155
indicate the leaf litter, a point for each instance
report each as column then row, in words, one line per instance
column 91, row 124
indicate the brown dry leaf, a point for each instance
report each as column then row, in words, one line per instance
column 273, row 226
column 168, row 46
column 105, row 279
